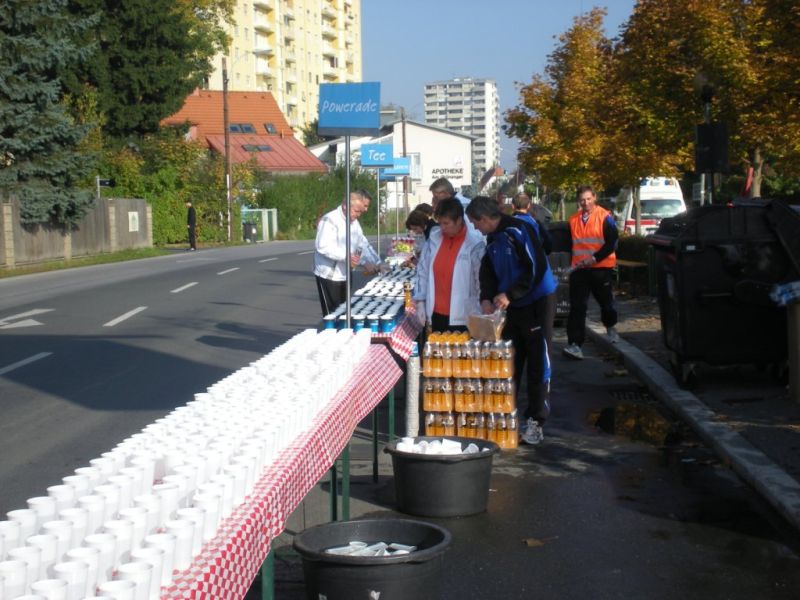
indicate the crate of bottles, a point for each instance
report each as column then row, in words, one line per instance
column 468, row 388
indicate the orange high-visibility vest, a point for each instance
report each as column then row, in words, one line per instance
column 588, row 238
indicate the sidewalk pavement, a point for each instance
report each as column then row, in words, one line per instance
column 744, row 414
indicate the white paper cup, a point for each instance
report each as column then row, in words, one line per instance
column 148, row 464
column 210, row 503
column 107, row 466
column 62, row 529
column 52, row 589
column 76, row 574
column 15, row 577
column 239, row 473
column 197, row 516
column 182, row 481
column 165, row 542
column 91, row 556
column 81, row 483
column 168, row 492
column 31, row 597
column 137, row 476
column 152, row 504
column 106, row 544
column 140, row 573
column 48, row 544
column 124, row 484
column 10, row 532
column 155, row 557
column 111, row 493
column 122, row 530
column 44, row 507
column 27, row 520
column 94, row 474
column 183, row 530
column 79, row 517
column 31, row 556
column 226, row 481
column 95, row 505
column 118, row 590
column 137, row 515
column 64, row 495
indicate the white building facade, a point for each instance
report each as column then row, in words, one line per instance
column 434, row 153
column 471, row 106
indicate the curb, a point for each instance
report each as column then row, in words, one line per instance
column 758, row 470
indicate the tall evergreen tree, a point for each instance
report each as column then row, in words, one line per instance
column 39, row 161
column 152, row 54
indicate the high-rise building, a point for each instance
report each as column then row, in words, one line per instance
column 471, row 106
column 289, row 47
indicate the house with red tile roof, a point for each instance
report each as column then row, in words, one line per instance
column 258, row 130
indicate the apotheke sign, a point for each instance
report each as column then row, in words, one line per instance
column 456, row 172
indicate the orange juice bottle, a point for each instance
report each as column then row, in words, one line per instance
column 500, row 431
column 507, row 360
column 427, row 367
column 430, row 424
column 458, row 365
column 458, row 395
column 447, row 360
column 480, row 395
column 497, row 358
column 491, row 425
column 447, row 394
column 448, row 424
column 509, row 397
column 486, row 366
column 439, row 428
column 462, row 424
column 512, row 429
column 436, row 359
column 428, row 395
column 480, row 426
column 469, row 395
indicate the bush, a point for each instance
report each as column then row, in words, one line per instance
column 632, row 247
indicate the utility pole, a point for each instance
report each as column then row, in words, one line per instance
column 226, row 125
column 405, row 177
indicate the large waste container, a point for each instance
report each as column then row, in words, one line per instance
column 715, row 267
column 249, row 232
column 560, row 259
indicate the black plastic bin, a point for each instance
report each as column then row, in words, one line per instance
column 560, row 259
column 430, row 485
column 715, row 266
column 414, row 576
column 249, row 232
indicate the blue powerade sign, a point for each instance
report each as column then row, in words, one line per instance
column 376, row 155
column 349, row 108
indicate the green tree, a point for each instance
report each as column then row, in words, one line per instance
column 560, row 121
column 152, row 54
column 310, row 135
column 39, row 159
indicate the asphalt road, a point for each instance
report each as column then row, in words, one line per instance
column 90, row 356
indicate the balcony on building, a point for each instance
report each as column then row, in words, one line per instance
column 288, row 12
column 289, row 56
column 328, row 32
column 291, row 100
column 328, row 49
column 329, row 72
column 265, row 5
column 263, row 69
column 262, row 47
column 262, row 23
column 328, row 11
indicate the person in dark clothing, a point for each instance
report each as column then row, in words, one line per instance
column 594, row 241
column 522, row 210
column 191, row 225
column 516, row 277
column 420, row 222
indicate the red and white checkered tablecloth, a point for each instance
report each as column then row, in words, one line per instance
column 403, row 337
column 228, row 564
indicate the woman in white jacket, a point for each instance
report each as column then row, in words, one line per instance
column 447, row 288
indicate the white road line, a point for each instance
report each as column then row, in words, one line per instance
column 183, row 287
column 127, row 315
column 307, row 252
column 24, row 362
column 228, row 271
column 267, row 259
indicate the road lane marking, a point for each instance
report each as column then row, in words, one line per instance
column 183, row 287
column 4, row 323
column 307, row 252
column 24, row 362
column 267, row 259
column 228, row 271
column 127, row 315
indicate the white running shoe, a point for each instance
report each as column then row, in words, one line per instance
column 532, row 432
column 613, row 336
column 574, row 351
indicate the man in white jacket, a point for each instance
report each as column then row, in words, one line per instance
column 447, row 289
column 330, row 252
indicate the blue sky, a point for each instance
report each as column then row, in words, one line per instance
column 408, row 43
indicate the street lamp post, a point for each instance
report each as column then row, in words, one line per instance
column 227, row 145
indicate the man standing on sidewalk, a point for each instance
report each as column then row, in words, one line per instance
column 515, row 276
column 330, row 258
column 191, row 225
column 594, row 240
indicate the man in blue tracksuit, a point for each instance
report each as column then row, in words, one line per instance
column 515, row 276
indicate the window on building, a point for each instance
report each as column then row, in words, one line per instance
column 241, row 128
column 270, row 128
column 256, row 148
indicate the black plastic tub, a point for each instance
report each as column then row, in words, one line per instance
column 443, row 486
column 414, row 576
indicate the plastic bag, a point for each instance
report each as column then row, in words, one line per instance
column 487, row 328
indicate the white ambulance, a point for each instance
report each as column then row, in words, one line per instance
column 659, row 197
